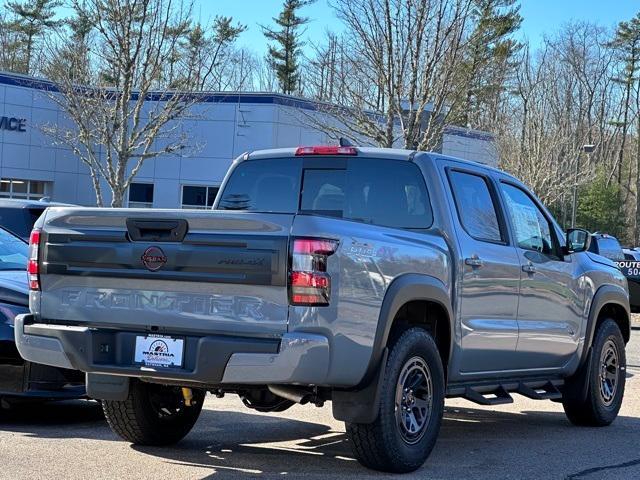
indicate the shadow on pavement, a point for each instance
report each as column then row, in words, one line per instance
column 473, row 443
column 64, row 419
column 235, row 444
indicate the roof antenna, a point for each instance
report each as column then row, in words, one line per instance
column 344, row 142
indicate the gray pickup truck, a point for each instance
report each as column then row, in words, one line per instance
column 381, row 280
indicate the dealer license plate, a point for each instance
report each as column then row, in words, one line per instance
column 159, row 351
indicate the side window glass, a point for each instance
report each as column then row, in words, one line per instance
column 532, row 229
column 476, row 209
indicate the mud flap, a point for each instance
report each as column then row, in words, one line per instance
column 107, row 387
column 360, row 406
column 576, row 387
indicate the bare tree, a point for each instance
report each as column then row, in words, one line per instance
column 113, row 85
column 391, row 72
column 561, row 98
column 239, row 73
column 535, row 143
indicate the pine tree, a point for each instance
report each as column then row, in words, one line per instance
column 490, row 51
column 204, row 49
column 284, row 53
column 32, row 19
column 599, row 208
column 77, row 53
column 627, row 44
column 10, row 46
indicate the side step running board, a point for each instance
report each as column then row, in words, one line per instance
column 497, row 397
column 500, row 393
column 547, row 392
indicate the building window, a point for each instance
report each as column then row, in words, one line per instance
column 196, row 196
column 141, row 195
column 25, row 189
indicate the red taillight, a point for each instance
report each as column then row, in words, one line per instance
column 33, row 267
column 309, row 282
column 308, row 246
column 326, row 150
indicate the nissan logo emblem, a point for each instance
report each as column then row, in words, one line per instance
column 154, row 258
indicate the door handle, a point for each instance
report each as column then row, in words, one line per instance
column 529, row 268
column 473, row 261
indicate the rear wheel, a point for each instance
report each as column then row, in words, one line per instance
column 606, row 379
column 410, row 410
column 153, row 414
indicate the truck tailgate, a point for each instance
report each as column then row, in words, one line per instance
column 165, row 270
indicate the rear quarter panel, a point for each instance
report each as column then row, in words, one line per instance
column 368, row 259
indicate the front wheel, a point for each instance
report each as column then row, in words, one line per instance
column 410, row 410
column 153, row 414
column 606, row 380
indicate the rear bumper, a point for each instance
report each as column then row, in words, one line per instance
column 296, row 358
column 19, row 378
column 41, row 381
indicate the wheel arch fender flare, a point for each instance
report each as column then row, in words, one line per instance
column 606, row 295
column 402, row 290
column 577, row 385
column 360, row 404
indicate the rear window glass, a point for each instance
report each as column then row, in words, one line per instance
column 269, row 186
column 13, row 252
column 19, row 220
column 389, row 193
column 35, row 214
column 608, row 247
column 323, row 192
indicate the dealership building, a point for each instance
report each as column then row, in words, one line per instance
column 225, row 125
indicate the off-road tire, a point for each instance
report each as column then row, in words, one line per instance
column 138, row 421
column 380, row 445
column 594, row 411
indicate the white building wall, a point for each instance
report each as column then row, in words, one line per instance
column 470, row 145
column 223, row 128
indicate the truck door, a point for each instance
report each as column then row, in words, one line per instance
column 488, row 273
column 551, row 304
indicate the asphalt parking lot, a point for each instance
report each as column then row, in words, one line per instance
column 527, row 439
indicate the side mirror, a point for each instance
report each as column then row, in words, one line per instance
column 578, row 240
